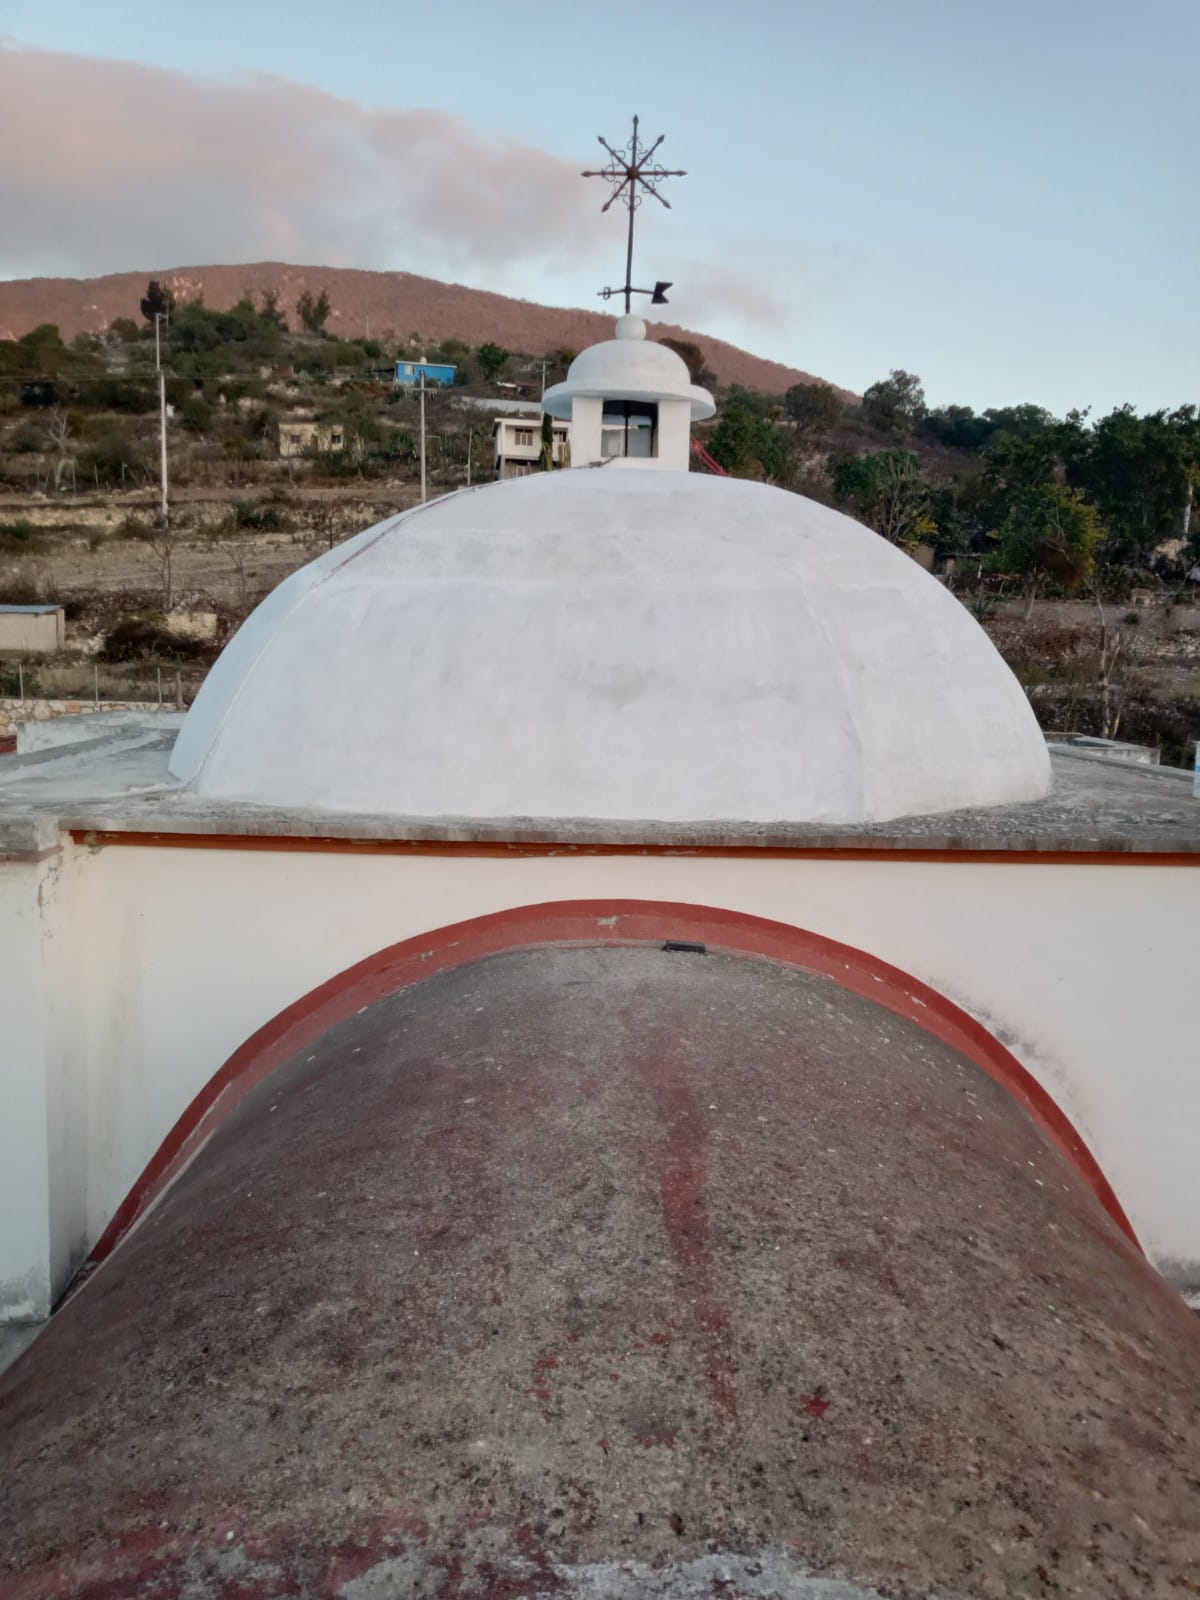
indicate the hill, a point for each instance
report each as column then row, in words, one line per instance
column 385, row 304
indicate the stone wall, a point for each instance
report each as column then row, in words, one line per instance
column 14, row 711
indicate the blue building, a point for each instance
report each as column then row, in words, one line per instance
column 409, row 373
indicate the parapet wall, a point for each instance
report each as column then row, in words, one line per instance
column 14, row 712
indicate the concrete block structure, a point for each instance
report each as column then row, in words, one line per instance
column 306, row 438
column 33, row 630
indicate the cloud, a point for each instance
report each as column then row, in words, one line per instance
column 706, row 292
column 111, row 166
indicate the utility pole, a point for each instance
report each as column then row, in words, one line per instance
column 162, row 440
column 422, row 434
column 160, row 316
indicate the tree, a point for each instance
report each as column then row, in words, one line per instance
column 492, row 358
column 746, row 442
column 123, row 329
column 236, row 544
column 271, row 310
column 693, row 359
column 1050, row 532
column 156, row 301
column 958, row 427
column 44, row 337
column 813, row 406
column 546, row 460
column 896, row 404
column 58, row 428
column 1029, row 451
column 160, row 537
column 886, row 490
column 313, row 312
column 1141, row 472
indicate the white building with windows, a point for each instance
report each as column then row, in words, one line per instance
column 517, row 444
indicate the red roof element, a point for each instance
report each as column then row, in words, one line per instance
column 534, row 1276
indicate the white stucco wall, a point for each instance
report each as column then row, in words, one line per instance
column 41, row 1188
column 178, row 955
column 32, row 633
column 586, row 415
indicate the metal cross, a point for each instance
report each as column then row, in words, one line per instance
column 628, row 170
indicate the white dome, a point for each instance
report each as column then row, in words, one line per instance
column 652, row 645
column 629, row 367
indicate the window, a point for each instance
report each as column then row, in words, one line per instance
column 523, row 436
column 629, row 428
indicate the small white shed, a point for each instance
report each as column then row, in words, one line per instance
column 31, row 630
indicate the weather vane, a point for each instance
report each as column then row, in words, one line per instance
column 630, row 170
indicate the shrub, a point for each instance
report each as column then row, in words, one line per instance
column 22, row 528
column 195, row 414
column 145, row 636
column 259, row 519
column 313, row 364
column 116, row 393
column 112, row 460
column 13, row 681
column 27, row 441
column 21, row 591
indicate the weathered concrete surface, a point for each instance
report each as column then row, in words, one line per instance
column 614, row 1272
column 16, row 1337
column 1096, row 804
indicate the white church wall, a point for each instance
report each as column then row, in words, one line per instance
column 26, row 1266
column 586, row 427
column 1082, row 971
column 674, row 434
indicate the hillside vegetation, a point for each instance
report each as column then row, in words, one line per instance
column 391, row 306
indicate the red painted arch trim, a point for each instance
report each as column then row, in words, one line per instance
column 589, row 922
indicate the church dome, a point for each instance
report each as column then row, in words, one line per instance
column 604, row 644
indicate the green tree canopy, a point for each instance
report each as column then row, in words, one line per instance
column 1049, row 533
column 156, row 301
column 747, row 443
column 693, row 359
column 813, row 406
column 896, row 404
column 887, row 491
column 44, row 337
column 1141, row 473
column 492, row 359
column 271, row 311
column 313, row 310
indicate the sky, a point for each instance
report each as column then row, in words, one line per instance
column 999, row 197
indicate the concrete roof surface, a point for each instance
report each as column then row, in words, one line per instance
column 613, row 1272
column 119, row 781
